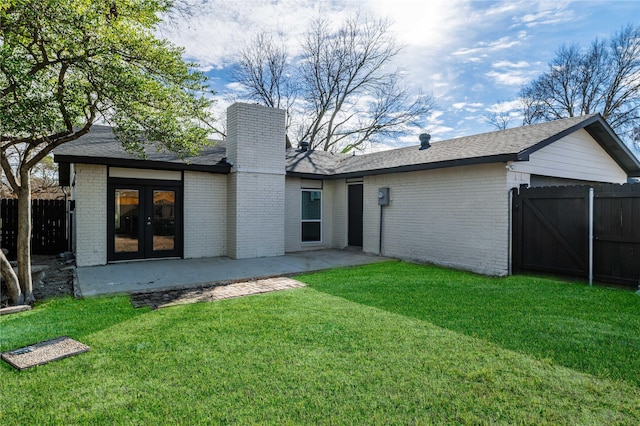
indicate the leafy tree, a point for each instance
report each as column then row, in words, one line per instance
column 603, row 78
column 341, row 91
column 64, row 64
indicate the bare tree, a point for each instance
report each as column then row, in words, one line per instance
column 343, row 91
column 636, row 138
column 498, row 116
column 264, row 71
column 603, row 78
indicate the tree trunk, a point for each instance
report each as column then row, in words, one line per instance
column 24, row 237
column 11, row 279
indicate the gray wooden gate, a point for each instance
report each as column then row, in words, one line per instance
column 552, row 228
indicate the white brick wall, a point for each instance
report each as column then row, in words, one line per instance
column 231, row 214
column 256, row 138
column 205, row 214
column 339, row 200
column 456, row 217
column 256, row 219
column 90, row 214
column 293, row 232
column 256, row 185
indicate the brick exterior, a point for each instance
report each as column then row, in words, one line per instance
column 456, row 217
column 256, row 138
column 205, row 214
column 293, row 214
column 256, row 185
column 339, row 212
column 90, row 193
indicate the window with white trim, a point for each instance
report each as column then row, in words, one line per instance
column 311, row 215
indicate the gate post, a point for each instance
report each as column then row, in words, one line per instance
column 591, row 236
column 511, row 231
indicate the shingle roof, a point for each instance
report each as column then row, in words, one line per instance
column 515, row 144
column 99, row 146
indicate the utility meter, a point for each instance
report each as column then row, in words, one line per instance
column 383, row 196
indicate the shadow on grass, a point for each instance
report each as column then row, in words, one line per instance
column 589, row 329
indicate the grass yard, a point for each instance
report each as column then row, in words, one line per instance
column 391, row 343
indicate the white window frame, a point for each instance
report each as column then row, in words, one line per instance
column 302, row 220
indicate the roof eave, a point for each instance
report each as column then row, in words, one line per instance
column 524, row 154
column 220, row 167
column 600, row 130
column 499, row 158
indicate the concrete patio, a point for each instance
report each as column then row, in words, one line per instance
column 156, row 275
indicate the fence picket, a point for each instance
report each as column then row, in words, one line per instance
column 49, row 226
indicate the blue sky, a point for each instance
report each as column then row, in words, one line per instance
column 470, row 55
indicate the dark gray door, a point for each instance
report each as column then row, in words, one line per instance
column 355, row 215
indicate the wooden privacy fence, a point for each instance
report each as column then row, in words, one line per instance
column 586, row 231
column 49, row 226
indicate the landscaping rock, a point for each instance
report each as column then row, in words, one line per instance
column 14, row 309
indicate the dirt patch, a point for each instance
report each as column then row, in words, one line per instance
column 157, row 299
column 57, row 279
column 213, row 292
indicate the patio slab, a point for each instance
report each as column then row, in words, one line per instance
column 155, row 275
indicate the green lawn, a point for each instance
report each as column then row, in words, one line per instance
column 391, row 343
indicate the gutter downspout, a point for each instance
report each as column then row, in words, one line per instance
column 380, row 236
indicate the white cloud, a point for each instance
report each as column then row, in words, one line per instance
column 439, row 133
column 548, row 13
column 502, row 8
column 488, row 46
column 429, row 24
column 509, row 64
column 434, row 116
column 214, row 36
column 506, row 106
column 468, row 106
column 508, row 78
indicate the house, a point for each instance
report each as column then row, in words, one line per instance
column 447, row 202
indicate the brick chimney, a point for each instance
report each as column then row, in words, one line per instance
column 255, row 192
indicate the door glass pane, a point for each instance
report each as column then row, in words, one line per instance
column 164, row 226
column 127, row 204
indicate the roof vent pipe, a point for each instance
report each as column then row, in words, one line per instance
column 424, row 141
column 304, row 146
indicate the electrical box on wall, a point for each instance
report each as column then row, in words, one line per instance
column 383, row 196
